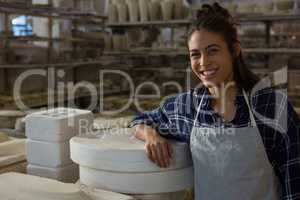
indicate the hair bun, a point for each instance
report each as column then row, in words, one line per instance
column 215, row 10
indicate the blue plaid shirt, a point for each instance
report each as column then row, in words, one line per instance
column 175, row 118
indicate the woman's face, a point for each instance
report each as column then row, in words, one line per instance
column 210, row 58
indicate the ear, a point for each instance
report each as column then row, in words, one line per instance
column 237, row 49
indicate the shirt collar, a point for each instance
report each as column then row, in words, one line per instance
column 203, row 93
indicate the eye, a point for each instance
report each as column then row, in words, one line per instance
column 212, row 51
column 195, row 55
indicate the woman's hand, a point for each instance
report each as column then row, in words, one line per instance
column 158, row 148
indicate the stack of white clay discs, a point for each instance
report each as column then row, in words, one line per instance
column 48, row 133
column 39, row 188
column 116, row 161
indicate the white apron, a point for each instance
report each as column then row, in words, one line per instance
column 231, row 163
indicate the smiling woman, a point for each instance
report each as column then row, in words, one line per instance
column 244, row 141
column 212, row 61
column 214, row 24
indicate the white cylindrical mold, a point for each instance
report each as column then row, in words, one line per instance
column 178, row 9
column 144, row 12
column 112, row 13
column 133, row 8
column 155, row 10
column 119, row 152
column 122, row 12
column 101, row 6
column 167, row 10
column 138, row 183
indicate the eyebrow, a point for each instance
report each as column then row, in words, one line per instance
column 209, row 46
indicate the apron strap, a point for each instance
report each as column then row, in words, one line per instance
column 252, row 119
column 198, row 111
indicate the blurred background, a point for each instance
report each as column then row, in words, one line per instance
column 117, row 58
column 74, row 41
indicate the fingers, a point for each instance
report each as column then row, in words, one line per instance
column 165, row 155
column 160, row 153
column 149, row 153
column 153, row 155
column 157, row 156
column 170, row 150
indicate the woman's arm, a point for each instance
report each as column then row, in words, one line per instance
column 172, row 120
column 158, row 148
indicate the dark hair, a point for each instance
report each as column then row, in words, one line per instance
column 217, row 19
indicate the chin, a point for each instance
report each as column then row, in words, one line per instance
column 211, row 83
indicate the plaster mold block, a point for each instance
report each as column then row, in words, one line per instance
column 48, row 154
column 12, row 151
column 67, row 174
column 12, row 146
column 119, row 151
column 15, row 185
column 58, row 124
column 3, row 137
column 8, row 118
column 20, row 124
column 138, row 183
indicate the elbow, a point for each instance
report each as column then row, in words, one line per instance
column 137, row 131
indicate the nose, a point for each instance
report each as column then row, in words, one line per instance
column 204, row 60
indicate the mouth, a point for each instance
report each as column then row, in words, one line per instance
column 209, row 73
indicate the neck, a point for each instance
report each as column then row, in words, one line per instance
column 223, row 93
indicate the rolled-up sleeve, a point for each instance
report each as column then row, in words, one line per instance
column 153, row 118
column 281, row 136
column 169, row 120
column 288, row 158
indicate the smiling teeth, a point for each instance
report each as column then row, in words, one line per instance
column 209, row 72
